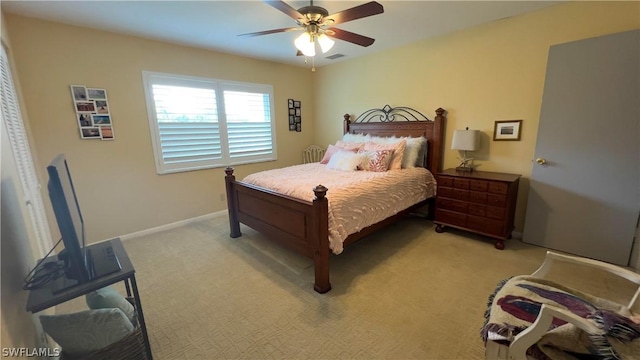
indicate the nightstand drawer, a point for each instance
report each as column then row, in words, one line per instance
column 495, row 212
column 451, row 218
column 444, row 191
column 478, row 185
column 477, row 209
column 461, row 183
column 445, row 181
column 485, row 225
column 453, row 205
column 498, row 187
column 461, row 194
column 496, row 200
column 478, row 197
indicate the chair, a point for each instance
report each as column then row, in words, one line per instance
column 533, row 317
column 313, row 153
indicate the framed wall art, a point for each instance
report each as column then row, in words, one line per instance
column 92, row 112
column 295, row 115
column 507, row 130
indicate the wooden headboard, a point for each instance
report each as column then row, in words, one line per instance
column 403, row 121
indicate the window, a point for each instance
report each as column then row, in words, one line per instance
column 199, row 123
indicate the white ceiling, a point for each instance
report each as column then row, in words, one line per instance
column 215, row 24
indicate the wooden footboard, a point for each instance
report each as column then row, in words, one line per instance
column 299, row 225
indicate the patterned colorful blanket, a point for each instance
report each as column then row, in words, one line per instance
column 516, row 303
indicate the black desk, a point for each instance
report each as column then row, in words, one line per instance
column 44, row 298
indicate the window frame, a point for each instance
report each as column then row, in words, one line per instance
column 151, row 78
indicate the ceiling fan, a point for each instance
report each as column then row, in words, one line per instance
column 317, row 25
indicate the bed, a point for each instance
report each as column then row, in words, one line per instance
column 302, row 224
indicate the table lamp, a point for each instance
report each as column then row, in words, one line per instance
column 465, row 140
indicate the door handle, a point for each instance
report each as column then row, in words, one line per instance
column 541, row 161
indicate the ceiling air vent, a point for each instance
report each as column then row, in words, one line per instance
column 336, row 56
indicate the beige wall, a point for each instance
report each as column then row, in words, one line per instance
column 491, row 72
column 116, row 181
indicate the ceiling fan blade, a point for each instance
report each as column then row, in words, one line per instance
column 350, row 37
column 354, row 13
column 274, row 31
column 282, row 6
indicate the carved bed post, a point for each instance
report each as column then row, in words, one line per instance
column 346, row 123
column 234, row 224
column 321, row 244
column 438, row 133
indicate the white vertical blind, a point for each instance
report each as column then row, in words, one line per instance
column 12, row 117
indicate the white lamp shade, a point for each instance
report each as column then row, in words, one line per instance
column 465, row 140
column 325, row 43
column 305, row 44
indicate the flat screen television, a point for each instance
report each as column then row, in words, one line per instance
column 80, row 264
column 70, row 222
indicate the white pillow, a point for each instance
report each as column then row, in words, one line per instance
column 345, row 161
column 414, row 152
column 355, row 138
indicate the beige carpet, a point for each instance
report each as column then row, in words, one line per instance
column 406, row 292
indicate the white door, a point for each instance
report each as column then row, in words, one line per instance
column 585, row 199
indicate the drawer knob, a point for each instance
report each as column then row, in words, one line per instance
column 541, row 161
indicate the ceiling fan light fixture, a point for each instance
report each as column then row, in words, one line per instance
column 325, row 43
column 305, row 44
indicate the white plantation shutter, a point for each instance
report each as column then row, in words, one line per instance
column 201, row 123
column 248, row 124
column 12, row 119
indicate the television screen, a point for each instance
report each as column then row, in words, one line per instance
column 69, row 218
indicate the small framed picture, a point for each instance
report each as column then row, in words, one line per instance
column 297, row 111
column 298, row 120
column 84, row 119
column 90, row 133
column 507, row 130
column 296, row 104
column 98, row 119
column 292, row 111
column 106, row 132
column 298, row 127
column 79, row 92
column 290, row 103
column 96, row 94
column 85, row 106
column 292, row 127
column 292, row 119
column 102, row 107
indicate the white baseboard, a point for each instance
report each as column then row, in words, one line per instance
column 173, row 225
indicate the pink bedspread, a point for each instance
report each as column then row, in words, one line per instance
column 357, row 199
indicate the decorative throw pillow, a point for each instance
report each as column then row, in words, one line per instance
column 332, row 149
column 398, row 151
column 345, row 160
column 376, row 160
column 414, row 152
column 87, row 331
column 349, row 145
column 108, row 297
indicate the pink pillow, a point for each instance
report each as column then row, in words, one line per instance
column 376, row 160
column 332, row 149
column 398, row 152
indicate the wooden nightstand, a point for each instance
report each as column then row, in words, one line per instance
column 480, row 201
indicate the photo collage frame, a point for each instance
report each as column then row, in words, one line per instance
column 295, row 115
column 92, row 112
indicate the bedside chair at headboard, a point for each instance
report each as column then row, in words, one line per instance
column 313, row 153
